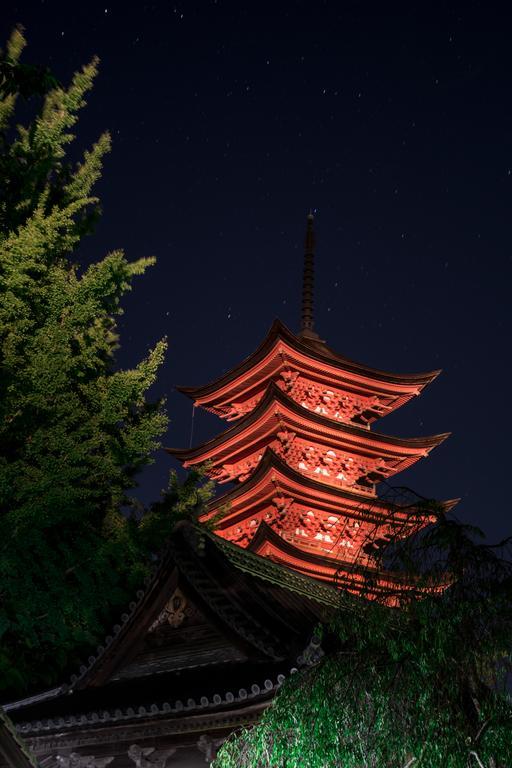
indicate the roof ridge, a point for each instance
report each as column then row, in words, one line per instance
column 311, row 347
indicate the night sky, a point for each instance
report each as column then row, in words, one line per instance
column 393, row 122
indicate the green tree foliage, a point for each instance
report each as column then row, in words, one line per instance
column 74, row 431
column 420, row 685
column 18, row 79
column 182, row 500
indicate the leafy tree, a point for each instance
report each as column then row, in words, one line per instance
column 74, row 431
column 182, row 500
column 17, row 78
column 420, row 685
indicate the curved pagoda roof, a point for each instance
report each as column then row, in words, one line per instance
column 323, row 530
column 283, row 350
column 273, row 477
column 277, row 414
column 360, row 579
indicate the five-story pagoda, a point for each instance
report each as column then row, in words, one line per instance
column 304, row 458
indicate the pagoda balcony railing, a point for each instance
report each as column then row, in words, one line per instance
column 364, row 489
column 329, row 545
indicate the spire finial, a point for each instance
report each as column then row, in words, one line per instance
column 307, row 321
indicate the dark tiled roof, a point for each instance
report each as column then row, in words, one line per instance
column 13, row 752
column 272, row 611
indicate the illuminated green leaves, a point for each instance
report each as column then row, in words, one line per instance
column 74, row 431
column 423, row 685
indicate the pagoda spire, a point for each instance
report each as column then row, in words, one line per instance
column 307, row 320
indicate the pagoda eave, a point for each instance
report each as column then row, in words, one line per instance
column 363, row 580
column 277, row 404
column 318, row 350
column 276, row 353
column 369, row 442
column 314, row 529
column 274, row 476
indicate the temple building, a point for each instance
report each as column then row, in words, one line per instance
column 233, row 607
column 303, row 458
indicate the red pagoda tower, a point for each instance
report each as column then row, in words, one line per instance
column 303, row 458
